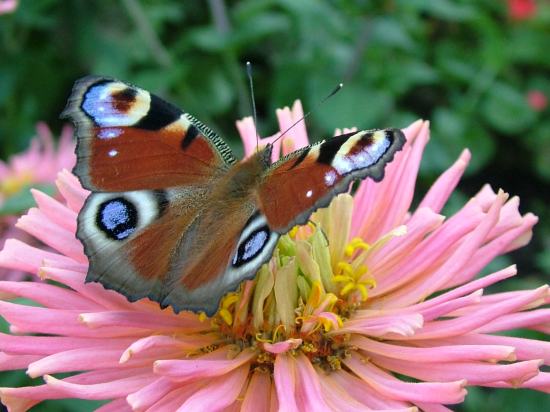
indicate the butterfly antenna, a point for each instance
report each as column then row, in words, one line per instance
column 332, row 93
column 251, row 86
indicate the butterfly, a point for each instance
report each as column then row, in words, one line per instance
column 173, row 216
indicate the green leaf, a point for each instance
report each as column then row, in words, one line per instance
column 444, row 9
column 540, row 138
column 23, row 200
column 452, row 133
column 387, row 31
column 506, row 109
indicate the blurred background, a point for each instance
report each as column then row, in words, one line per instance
column 478, row 69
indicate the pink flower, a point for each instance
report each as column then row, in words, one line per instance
column 7, row 6
column 537, row 100
column 522, row 9
column 324, row 326
column 38, row 165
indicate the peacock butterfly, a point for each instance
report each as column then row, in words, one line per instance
column 173, row 216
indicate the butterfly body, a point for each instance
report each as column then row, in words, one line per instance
column 172, row 216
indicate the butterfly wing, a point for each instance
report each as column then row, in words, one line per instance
column 150, row 168
column 309, row 178
column 129, row 139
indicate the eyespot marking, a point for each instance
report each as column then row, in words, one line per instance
column 117, row 218
column 252, row 246
column 110, row 104
column 124, row 99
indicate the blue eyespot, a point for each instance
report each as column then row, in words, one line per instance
column 251, row 246
column 117, row 218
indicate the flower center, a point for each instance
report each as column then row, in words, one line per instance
column 298, row 300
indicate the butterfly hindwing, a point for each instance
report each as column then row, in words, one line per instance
column 129, row 139
column 151, row 244
column 309, row 178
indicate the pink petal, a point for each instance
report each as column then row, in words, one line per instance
column 396, row 189
column 76, row 360
column 388, row 386
column 258, row 393
column 71, row 190
column 443, row 187
column 297, row 136
column 47, row 295
column 518, row 320
column 281, row 347
column 444, row 354
column 107, row 299
column 219, row 393
column 137, row 319
column 148, row 395
column 468, row 323
column 525, row 349
column 429, row 254
column 362, row 392
column 47, row 345
column 401, row 324
column 456, row 292
column 113, row 389
column 174, row 399
column 337, row 398
column 284, row 374
column 476, row 373
column 119, row 405
column 435, row 280
column 50, row 233
column 20, row 256
column 53, row 209
column 421, row 223
column 32, row 319
column 498, row 246
column 541, row 382
column 12, row 362
column 212, row 364
column 308, row 394
column 159, row 345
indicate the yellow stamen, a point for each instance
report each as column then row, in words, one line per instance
column 363, row 290
column 259, row 338
column 334, row 362
column 342, row 278
column 226, row 316
column 361, row 270
column 308, row 347
column 230, row 299
column 344, row 268
column 354, row 244
column 315, row 295
column 276, row 332
column 347, row 289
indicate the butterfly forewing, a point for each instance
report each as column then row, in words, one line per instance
column 129, row 139
column 309, row 178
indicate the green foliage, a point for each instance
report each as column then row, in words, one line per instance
column 463, row 64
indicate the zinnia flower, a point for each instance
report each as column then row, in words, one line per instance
column 537, row 100
column 40, row 164
column 7, row 6
column 367, row 293
column 522, row 9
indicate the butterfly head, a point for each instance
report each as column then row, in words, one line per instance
column 264, row 155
